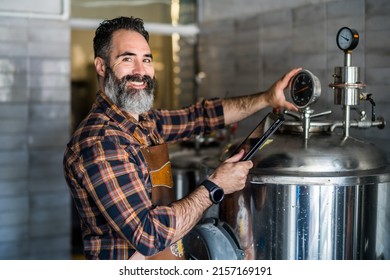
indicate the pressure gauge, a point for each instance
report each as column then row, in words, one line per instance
column 305, row 88
column 347, row 39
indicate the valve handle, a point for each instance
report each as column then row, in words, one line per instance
column 368, row 96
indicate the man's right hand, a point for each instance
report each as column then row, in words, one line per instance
column 232, row 173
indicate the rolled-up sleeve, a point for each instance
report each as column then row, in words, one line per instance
column 202, row 117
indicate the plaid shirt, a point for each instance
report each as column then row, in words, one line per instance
column 109, row 180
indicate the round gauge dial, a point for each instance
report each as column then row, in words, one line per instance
column 305, row 88
column 347, row 39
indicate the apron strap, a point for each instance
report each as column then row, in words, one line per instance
column 159, row 166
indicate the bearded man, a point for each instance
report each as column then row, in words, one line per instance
column 117, row 164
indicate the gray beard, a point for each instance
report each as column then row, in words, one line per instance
column 133, row 101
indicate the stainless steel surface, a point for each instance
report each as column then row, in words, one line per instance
column 211, row 240
column 347, row 86
column 323, row 198
column 314, row 194
column 319, row 154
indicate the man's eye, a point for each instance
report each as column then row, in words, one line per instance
column 148, row 60
column 127, row 59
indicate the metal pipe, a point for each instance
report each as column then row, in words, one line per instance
column 359, row 124
column 347, row 58
column 187, row 30
column 347, row 120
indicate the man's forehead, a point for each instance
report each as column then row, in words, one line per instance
column 126, row 40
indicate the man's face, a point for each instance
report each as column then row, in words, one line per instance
column 129, row 77
column 131, row 55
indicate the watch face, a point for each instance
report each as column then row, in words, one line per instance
column 217, row 195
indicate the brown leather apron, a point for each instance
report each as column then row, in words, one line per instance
column 159, row 166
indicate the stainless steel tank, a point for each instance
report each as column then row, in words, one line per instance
column 312, row 193
column 326, row 197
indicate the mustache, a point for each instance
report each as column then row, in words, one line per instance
column 140, row 78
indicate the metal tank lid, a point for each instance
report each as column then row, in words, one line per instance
column 320, row 153
column 322, row 159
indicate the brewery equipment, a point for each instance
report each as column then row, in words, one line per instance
column 315, row 192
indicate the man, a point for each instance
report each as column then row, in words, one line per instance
column 116, row 163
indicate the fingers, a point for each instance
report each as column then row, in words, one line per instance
column 280, row 86
column 290, row 106
column 231, row 176
column 287, row 82
column 232, row 173
column 292, row 73
column 236, row 157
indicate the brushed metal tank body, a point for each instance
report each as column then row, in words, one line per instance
column 322, row 198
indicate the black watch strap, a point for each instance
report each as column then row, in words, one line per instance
column 216, row 193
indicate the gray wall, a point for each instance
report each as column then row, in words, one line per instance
column 35, row 219
column 245, row 52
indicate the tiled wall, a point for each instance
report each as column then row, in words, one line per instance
column 246, row 54
column 35, row 220
column 238, row 55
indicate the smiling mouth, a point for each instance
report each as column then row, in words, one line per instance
column 138, row 82
column 137, row 85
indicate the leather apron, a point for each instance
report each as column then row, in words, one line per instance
column 159, row 167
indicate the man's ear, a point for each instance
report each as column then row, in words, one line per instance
column 100, row 66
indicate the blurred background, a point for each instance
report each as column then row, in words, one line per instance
column 202, row 49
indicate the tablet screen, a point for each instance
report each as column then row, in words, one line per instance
column 256, row 138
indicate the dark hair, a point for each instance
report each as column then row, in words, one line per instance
column 103, row 34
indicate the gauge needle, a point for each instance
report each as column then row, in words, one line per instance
column 345, row 38
column 302, row 89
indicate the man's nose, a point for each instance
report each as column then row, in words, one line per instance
column 139, row 68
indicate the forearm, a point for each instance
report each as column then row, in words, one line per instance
column 189, row 211
column 238, row 108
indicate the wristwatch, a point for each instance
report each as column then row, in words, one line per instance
column 216, row 193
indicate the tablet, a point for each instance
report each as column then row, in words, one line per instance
column 256, row 138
